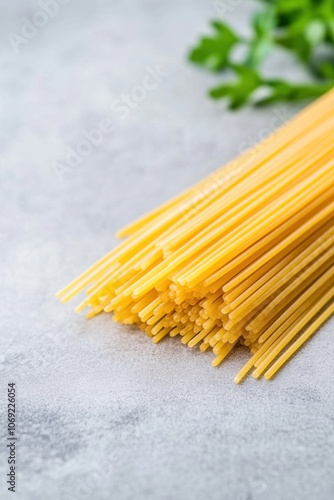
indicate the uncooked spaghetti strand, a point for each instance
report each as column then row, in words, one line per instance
column 309, row 225
column 291, row 290
column 307, row 119
column 300, row 341
column 294, row 330
column 285, row 274
column 268, row 270
column 264, row 222
column 212, row 215
column 298, row 303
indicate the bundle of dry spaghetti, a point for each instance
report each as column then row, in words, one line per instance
column 245, row 256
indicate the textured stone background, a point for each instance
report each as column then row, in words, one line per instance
column 102, row 412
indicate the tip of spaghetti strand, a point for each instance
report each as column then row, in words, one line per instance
column 64, row 291
column 216, row 362
column 91, row 314
column 256, row 374
column 65, row 299
column 61, row 295
column 122, row 233
column 80, row 307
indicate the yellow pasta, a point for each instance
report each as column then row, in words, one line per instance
column 245, row 256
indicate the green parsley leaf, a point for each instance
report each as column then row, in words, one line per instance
column 262, row 42
column 239, row 91
column 302, row 27
column 285, row 91
column 214, row 52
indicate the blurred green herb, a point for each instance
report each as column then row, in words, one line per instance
column 303, row 27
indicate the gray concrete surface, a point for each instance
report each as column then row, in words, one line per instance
column 102, row 413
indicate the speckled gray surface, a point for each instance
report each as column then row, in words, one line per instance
column 102, row 412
